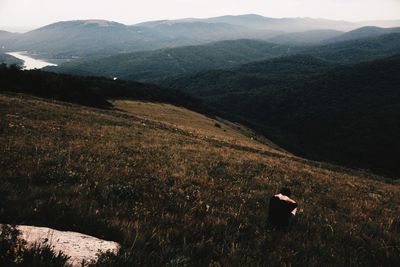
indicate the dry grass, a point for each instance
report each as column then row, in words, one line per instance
column 177, row 190
column 197, row 124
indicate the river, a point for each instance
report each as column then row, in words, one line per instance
column 29, row 62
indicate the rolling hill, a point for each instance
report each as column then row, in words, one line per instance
column 155, row 66
column 257, row 22
column 68, row 40
column 359, row 50
column 313, row 107
column 380, row 23
column 159, row 64
column 249, row 77
column 195, row 32
column 5, row 35
column 364, row 32
column 89, row 91
column 167, row 182
column 313, row 37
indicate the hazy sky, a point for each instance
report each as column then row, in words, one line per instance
column 21, row 15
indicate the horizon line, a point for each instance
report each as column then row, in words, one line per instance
column 28, row 29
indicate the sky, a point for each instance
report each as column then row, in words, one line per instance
column 23, row 15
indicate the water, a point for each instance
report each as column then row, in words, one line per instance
column 29, row 62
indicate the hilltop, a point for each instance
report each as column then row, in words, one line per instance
column 173, row 186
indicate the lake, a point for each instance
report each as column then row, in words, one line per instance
column 29, row 62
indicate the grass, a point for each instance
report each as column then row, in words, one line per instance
column 175, row 190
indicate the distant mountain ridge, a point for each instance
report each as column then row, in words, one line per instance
column 364, row 32
column 83, row 37
column 305, row 38
column 5, row 36
column 254, row 21
column 86, row 38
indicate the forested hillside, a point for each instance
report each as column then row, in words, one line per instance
column 9, row 60
column 159, row 64
column 89, row 91
column 343, row 114
column 154, row 66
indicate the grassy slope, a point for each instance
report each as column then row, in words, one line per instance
column 89, row 91
column 344, row 114
column 183, row 191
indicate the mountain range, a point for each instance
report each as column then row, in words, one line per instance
column 69, row 40
column 157, row 65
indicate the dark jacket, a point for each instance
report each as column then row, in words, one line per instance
column 280, row 212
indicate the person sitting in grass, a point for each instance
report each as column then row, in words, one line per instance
column 282, row 210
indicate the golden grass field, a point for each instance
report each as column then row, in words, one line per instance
column 176, row 190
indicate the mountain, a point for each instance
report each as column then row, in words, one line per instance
column 248, row 77
column 354, row 51
column 345, row 114
column 90, row 38
column 5, row 38
column 381, row 23
column 199, row 31
column 69, row 40
column 187, row 189
column 84, row 38
column 364, row 32
column 257, row 22
column 305, row 38
column 155, row 66
column 158, row 64
column 6, row 34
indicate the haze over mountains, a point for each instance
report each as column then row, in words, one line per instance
column 100, row 38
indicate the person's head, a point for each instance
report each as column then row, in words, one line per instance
column 286, row 191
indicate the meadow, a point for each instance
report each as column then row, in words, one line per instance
column 177, row 188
